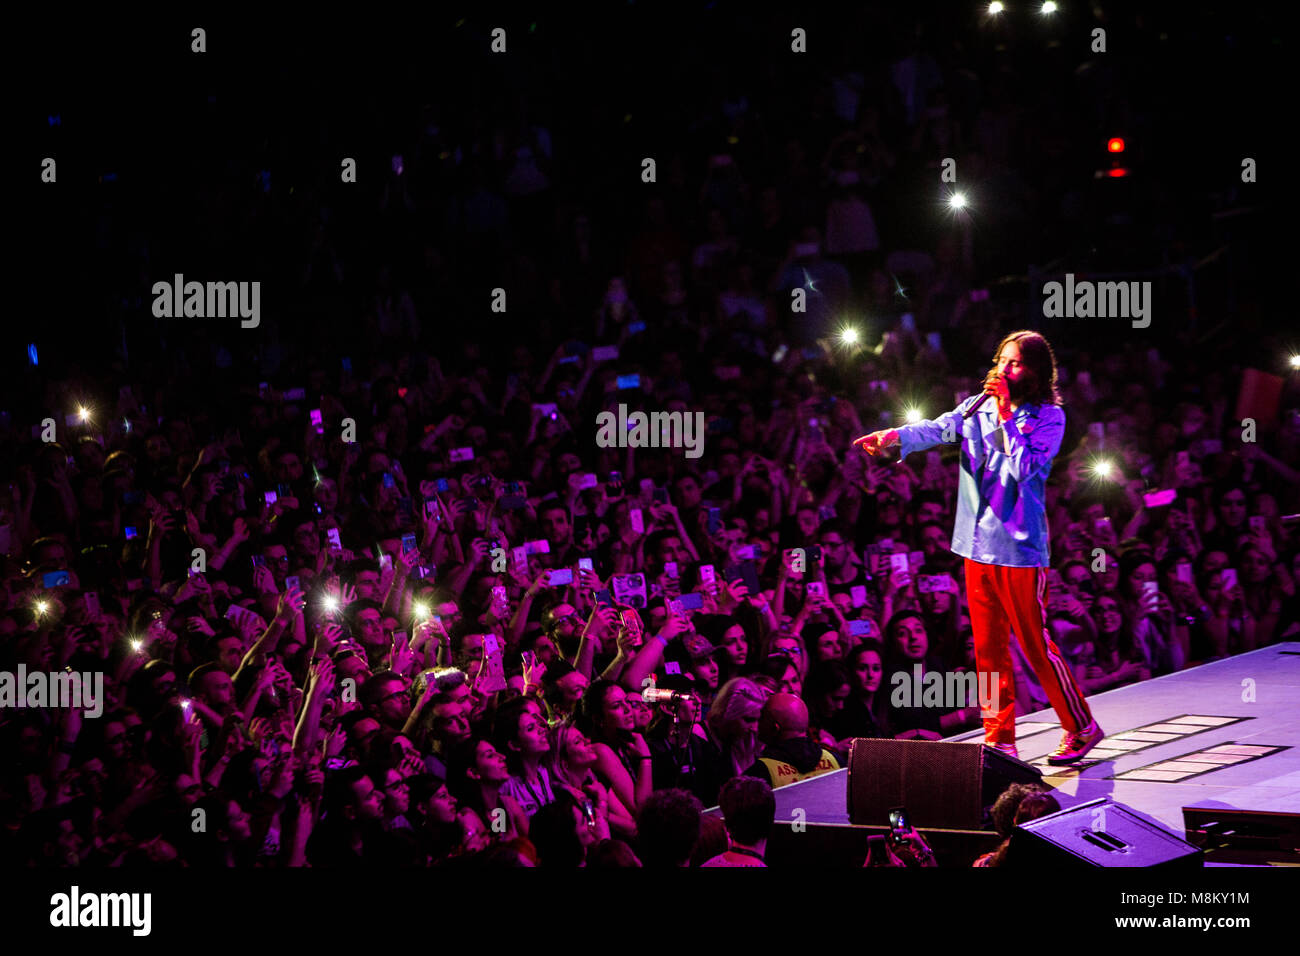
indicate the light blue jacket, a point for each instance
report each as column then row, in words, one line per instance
column 1002, row 488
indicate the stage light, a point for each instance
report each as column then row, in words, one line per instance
column 849, row 335
column 1048, row 7
column 995, row 7
column 1115, row 145
column 912, row 415
column 957, row 201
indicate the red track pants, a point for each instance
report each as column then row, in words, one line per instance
column 1015, row 599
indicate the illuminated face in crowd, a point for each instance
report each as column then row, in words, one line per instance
column 911, row 639
column 489, row 764
column 930, row 511
column 368, row 803
column 393, row 704
column 230, row 651
column 471, row 652
column 1142, row 574
column 370, row 630
column 565, row 622
column 1108, row 614
column 556, row 528
column 735, row 644
column 705, row 669
column 578, row 750
column 837, row 551
column 1232, row 508
column 544, row 648
column 616, row 714
column 829, row 647
column 532, row 738
column 868, row 671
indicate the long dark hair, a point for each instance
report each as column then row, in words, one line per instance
column 1039, row 361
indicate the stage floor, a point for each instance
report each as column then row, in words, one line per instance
column 1225, row 734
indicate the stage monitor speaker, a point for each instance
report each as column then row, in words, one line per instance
column 943, row 785
column 1098, row 833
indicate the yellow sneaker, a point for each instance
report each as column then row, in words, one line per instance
column 1074, row 746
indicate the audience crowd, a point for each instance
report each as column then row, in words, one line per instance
column 383, row 599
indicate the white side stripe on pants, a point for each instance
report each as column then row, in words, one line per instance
column 1063, row 676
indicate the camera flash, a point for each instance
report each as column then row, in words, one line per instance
column 912, row 415
column 995, row 7
column 331, row 603
column 421, row 611
column 957, row 201
column 1102, row 469
column 1048, row 7
column 1295, row 361
column 849, row 335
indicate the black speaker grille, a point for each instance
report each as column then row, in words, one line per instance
column 939, row 783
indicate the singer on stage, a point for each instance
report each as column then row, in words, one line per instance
column 1009, row 436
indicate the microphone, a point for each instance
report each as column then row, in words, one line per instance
column 655, row 695
column 976, row 407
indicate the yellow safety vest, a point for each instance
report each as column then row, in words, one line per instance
column 783, row 772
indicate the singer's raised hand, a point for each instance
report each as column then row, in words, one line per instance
column 876, row 442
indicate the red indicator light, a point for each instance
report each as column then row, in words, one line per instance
column 1115, row 145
